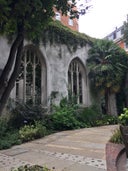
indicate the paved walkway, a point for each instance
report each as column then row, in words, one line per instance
column 78, row 150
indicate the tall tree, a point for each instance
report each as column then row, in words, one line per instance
column 107, row 68
column 125, row 37
column 24, row 19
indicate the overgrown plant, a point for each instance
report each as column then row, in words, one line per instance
column 64, row 118
column 10, row 138
column 116, row 137
column 58, row 33
column 88, row 116
column 31, row 168
column 3, row 126
column 123, row 118
column 31, row 132
column 26, row 114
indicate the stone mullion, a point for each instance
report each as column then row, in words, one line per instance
column 71, row 79
column 24, row 82
column 34, row 79
column 77, row 77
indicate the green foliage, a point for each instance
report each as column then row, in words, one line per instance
column 9, row 139
column 63, row 118
column 3, row 126
column 116, row 137
column 31, row 168
column 31, row 132
column 123, row 118
column 107, row 120
column 66, row 116
column 107, row 63
column 56, row 32
column 89, row 116
column 121, row 98
column 22, row 20
column 71, row 116
column 8, row 136
column 24, row 113
column 33, row 16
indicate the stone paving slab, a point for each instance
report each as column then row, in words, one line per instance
column 78, row 159
column 59, row 161
column 77, row 167
column 8, row 162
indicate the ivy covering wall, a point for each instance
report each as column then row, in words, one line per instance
column 55, row 32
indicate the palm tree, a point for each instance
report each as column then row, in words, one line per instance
column 107, row 68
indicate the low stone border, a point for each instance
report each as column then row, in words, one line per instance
column 115, row 157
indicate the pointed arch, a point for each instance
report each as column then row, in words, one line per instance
column 77, row 81
column 31, row 85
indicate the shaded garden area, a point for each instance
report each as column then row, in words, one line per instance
column 29, row 122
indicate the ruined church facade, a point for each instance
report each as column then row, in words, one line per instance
column 50, row 72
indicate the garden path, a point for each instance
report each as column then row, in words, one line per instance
column 77, row 150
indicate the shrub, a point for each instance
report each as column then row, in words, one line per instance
column 107, row 120
column 31, row 168
column 116, row 137
column 31, row 132
column 8, row 136
column 123, row 118
column 3, row 126
column 88, row 116
column 64, row 118
column 71, row 116
column 23, row 114
column 9, row 139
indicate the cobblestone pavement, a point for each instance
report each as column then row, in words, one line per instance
column 78, row 150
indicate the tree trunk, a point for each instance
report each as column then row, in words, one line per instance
column 8, row 67
column 106, row 100
column 110, row 101
column 15, row 60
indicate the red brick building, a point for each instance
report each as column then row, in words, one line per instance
column 117, row 37
column 82, row 6
column 65, row 20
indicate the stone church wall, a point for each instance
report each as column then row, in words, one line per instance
column 57, row 58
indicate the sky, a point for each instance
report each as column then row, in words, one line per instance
column 103, row 17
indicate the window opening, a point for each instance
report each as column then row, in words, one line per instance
column 75, row 81
column 29, row 78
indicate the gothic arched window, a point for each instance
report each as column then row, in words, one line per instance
column 76, row 80
column 28, row 84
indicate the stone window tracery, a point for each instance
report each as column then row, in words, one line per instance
column 75, row 80
column 28, row 84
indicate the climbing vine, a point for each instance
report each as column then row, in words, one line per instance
column 58, row 33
